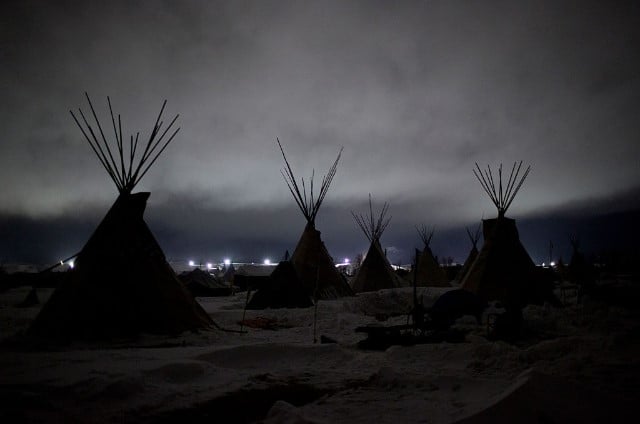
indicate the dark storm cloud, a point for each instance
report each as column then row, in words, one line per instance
column 416, row 92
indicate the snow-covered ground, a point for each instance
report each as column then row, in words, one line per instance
column 578, row 363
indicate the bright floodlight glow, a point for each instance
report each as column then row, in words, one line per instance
column 267, row 261
column 227, row 262
column 544, row 264
column 209, row 265
column 71, row 264
column 191, row 263
column 552, row 264
column 346, row 260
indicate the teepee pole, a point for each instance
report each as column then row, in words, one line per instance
column 127, row 172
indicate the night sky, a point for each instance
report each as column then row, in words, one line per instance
column 416, row 92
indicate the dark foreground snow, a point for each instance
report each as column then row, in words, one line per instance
column 576, row 364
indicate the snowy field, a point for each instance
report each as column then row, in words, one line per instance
column 579, row 363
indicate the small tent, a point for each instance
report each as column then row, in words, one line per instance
column 473, row 253
column 122, row 284
column 201, row 283
column 375, row 272
column 429, row 273
column 282, row 290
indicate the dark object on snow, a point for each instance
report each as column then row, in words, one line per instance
column 327, row 340
column 261, row 323
column 200, row 283
column 283, row 289
column 505, row 326
column 537, row 398
column 30, row 300
column 453, row 305
column 381, row 338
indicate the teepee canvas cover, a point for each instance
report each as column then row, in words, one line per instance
column 375, row 272
column 473, row 253
column 313, row 264
column 430, row 273
column 503, row 269
column 122, row 284
column 316, row 269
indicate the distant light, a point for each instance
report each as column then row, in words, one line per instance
column 209, row 265
column 227, row 262
column 346, row 260
column 71, row 264
column 544, row 264
column 191, row 263
column 552, row 264
column 267, row 261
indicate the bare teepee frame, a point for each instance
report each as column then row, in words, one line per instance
column 371, row 227
column 501, row 195
column 308, row 202
column 126, row 169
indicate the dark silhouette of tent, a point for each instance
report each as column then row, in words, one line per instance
column 201, row 283
column 430, row 273
column 580, row 271
column 283, row 290
column 122, row 284
column 503, row 269
column 473, row 253
column 375, row 272
column 314, row 266
column 229, row 273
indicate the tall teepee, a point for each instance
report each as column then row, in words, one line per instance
column 375, row 272
column 503, row 269
column 313, row 264
column 122, row 284
column 473, row 253
column 430, row 273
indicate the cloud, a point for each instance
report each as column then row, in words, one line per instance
column 416, row 93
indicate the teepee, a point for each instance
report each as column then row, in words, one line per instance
column 375, row 272
column 473, row 253
column 121, row 285
column 430, row 273
column 283, row 289
column 313, row 264
column 503, row 269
